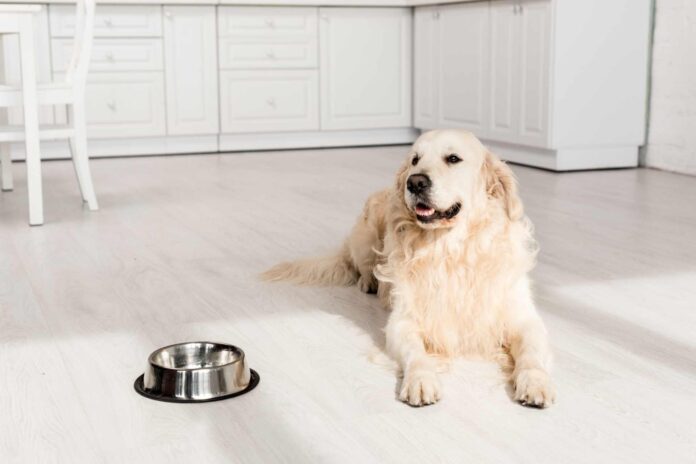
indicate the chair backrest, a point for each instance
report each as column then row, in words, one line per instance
column 82, row 48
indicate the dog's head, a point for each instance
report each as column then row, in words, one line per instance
column 450, row 176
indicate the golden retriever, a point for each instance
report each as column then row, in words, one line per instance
column 448, row 250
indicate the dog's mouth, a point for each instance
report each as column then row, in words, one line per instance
column 426, row 213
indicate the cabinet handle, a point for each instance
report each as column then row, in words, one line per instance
column 111, row 105
column 436, row 14
column 270, row 23
column 271, row 102
column 270, row 55
column 108, row 22
column 110, row 56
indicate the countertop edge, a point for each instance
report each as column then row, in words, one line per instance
column 357, row 3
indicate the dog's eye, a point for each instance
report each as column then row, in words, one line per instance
column 452, row 159
column 415, row 160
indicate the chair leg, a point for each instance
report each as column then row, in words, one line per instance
column 6, row 167
column 31, row 123
column 78, row 146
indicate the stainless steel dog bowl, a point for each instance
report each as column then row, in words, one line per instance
column 196, row 372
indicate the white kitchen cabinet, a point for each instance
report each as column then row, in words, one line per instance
column 262, row 101
column 452, row 50
column 125, row 94
column 463, row 63
column 481, row 67
column 365, row 67
column 559, row 84
column 191, row 75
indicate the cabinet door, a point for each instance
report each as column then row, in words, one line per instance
column 426, row 58
column 463, row 66
column 191, row 70
column 505, row 66
column 534, row 42
column 365, row 63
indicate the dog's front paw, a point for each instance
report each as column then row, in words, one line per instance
column 420, row 388
column 367, row 284
column 533, row 388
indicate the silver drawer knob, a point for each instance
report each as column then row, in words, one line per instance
column 270, row 23
column 271, row 102
column 110, row 56
column 111, row 105
column 270, row 55
column 108, row 22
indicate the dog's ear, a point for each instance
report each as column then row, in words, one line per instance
column 501, row 184
column 401, row 176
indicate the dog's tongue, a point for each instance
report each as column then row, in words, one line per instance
column 424, row 211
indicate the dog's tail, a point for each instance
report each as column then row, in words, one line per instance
column 335, row 269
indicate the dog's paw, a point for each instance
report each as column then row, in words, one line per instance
column 367, row 284
column 420, row 388
column 533, row 388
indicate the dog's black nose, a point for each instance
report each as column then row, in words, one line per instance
column 418, row 183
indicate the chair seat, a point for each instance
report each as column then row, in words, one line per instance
column 51, row 93
column 51, row 132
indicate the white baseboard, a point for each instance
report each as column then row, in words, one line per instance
column 564, row 159
column 317, row 139
column 567, row 159
column 227, row 142
column 573, row 159
column 58, row 149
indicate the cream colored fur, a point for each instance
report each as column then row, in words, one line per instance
column 455, row 286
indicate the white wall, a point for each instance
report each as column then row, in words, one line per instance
column 672, row 133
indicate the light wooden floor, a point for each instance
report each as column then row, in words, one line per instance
column 173, row 254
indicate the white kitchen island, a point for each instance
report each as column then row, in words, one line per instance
column 559, row 84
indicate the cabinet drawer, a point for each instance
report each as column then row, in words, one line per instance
column 125, row 104
column 257, row 54
column 267, row 21
column 113, row 54
column 111, row 21
column 269, row 101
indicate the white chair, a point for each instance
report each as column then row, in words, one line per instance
column 70, row 92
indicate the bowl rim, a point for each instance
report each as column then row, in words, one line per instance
column 233, row 348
